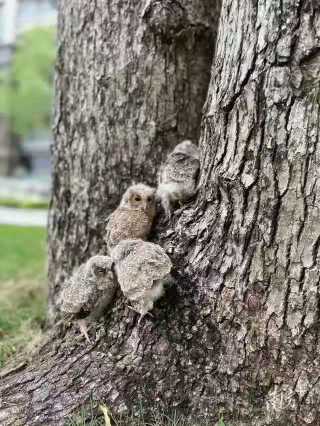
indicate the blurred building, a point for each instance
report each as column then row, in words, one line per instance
column 35, row 13
column 36, row 148
column 32, row 154
column 9, row 148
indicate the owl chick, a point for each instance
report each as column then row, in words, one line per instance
column 89, row 291
column 178, row 176
column 141, row 267
column 133, row 218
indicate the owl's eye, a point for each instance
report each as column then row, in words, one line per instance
column 100, row 272
column 149, row 199
column 137, row 198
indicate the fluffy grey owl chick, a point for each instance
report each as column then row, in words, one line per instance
column 89, row 291
column 141, row 267
column 178, row 176
column 133, row 218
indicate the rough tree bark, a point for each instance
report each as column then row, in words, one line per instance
column 132, row 78
column 239, row 331
column 253, row 245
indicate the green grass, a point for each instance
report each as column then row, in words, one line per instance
column 23, row 204
column 22, row 252
column 22, row 287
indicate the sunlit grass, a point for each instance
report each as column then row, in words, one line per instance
column 22, row 287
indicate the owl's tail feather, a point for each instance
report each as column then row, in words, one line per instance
column 165, row 195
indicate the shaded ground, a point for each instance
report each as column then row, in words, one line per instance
column 92, row 416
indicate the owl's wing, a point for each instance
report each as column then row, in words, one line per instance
column 111, row 224
column 155, row 255
column 156, row 266
column 194, row 165
column 140, row 269
column 160, row 173
column 79, row 295
column 109, row 220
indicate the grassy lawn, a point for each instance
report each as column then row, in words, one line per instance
column 22, row 287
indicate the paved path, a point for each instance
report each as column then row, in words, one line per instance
column 24, row 217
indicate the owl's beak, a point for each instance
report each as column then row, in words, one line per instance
column 145, row 206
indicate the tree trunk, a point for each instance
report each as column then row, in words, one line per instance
column 252, row 246
column 239, row 331
column 132, row 78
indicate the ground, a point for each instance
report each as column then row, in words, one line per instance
column 92, row 417
column 22, row 287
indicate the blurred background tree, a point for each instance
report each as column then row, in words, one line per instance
column 27, row 51
column 26, row 91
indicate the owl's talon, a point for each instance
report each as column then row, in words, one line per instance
column 140, row 319
column 138, row 312
column 98, row 335
column 84, row 330
column 133, row 309
column 141, row 315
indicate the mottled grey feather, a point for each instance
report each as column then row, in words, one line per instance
column 140, row 268
column 133, row 218
column 179, row 176
column 93, row 281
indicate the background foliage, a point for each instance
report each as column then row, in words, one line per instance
column 26, row 91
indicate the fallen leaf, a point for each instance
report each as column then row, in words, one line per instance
column 105, row 411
